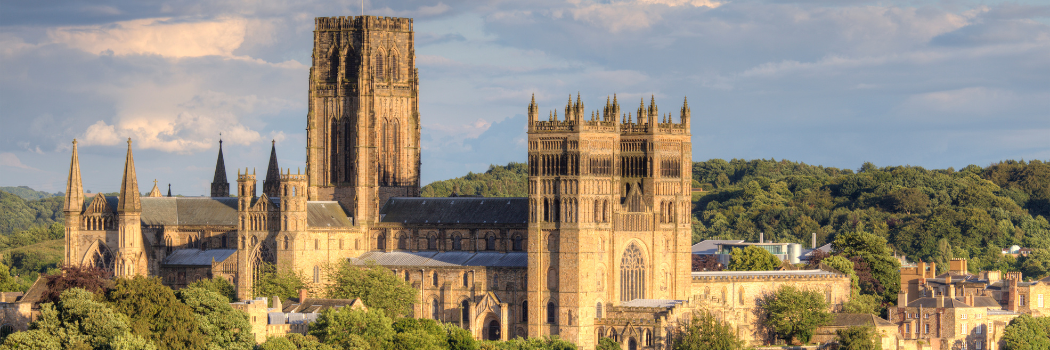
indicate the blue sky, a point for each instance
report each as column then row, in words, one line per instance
column 931, row 83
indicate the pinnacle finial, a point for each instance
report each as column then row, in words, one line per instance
column 273, row 142
column 129, row 142
column 74, row 141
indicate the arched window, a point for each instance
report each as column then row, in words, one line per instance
column 255, row 240
column 317, row 274
column 517, row 243
column 552, row 313
column 598, row 310
column 632, row 274
column 490, row 242
column 394, row 68
column 435, row 310
column 465, row 313
column 381, row 242
column 224, row 242
column 402, row 241
column 379, row 69
column 407, row 276
column 525, row 311
column 434, row 280
column 457, row 242
column 648, row 338
column 466, row 279
column 333, row 66
column 317, row 244
column 432, row 242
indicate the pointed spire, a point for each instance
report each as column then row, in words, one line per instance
column 155, row 192
column 169, row 189
column 74, row 187
column 220, row 186
column 129, row 187
column 272, row 184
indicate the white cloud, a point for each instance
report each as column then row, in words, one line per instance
column 157, row 36
column 11, row 160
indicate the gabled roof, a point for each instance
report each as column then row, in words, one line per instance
column 220, row 211
column 931, row 302
column 456, row 210
column 326, row 214
column 195, row 257
column 444, row 259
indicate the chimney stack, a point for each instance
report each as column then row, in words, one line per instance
column 277, row 303
column 902, row 299
column 302, row 295
column 761, row 237
column 814, row 241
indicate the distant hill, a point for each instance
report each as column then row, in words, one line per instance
column 499, row 181
column 27, row 193
column 17, row 214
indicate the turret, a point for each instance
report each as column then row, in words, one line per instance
column 131, row 254
column 74, row 187
column 129, row 187
column 534, row 110
column 272, row 184
column 245, row 189
column 73, row 207
column 685, row 113
column 220, row 187
column 293, row 201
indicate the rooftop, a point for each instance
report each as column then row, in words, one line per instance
column 444, row 259
column 456, row 210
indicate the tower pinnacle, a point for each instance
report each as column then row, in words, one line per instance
column 129, row 187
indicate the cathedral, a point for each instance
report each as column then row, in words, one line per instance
column 599, row 248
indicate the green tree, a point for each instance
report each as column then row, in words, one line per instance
column 704, row 332
column 294, row 341
column 77, row 321
column 545, row 343
column 226, row 327
column 282, row 284
column 459, row 338
column 845, row 266
column 857, row 338
column 863, row 304
column 218, row 285
column 419, row 333
column 8, row 283
column 155, row 313
column 875, row 252
column 607, row 344
column 354, row 328
column 1027, row 333
column 752, row 258
column 794, row 313
column 1037, row 264
column 377, row 286
column 907, row 200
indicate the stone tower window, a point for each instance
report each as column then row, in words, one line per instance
column 490, row 242
column 466, row 279
column 434, row 280
column 525, row 311
column 632, row 274
column 552, row 313
column 317, row 244
column 432, row 242
column 317, row 274
column 457, row 242
column 598, row 310
column 394, row 68
column 379, row 69
column 286, row 242
column 381, row 242
column 402, row 242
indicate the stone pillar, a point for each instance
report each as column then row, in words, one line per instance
column 503, row 320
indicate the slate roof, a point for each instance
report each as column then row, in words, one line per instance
column 195, row 257
column 810, row 273
column 931, row 302
column 710, row 246
column 445, row 259
column 651, row 303
column 189, row 211
column 326, row 214
column 456, row 210
column 312, row 305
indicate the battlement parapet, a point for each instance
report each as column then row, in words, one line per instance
column 340, row 23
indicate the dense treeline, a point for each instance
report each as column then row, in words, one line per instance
column 28, row 193
column 18, row 214
column 499, row 181
column 31, row 233
column 933, row 215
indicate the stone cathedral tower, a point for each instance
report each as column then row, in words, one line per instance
column 363, row 123
column 608, row 214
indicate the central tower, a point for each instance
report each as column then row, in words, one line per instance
column 363, row 123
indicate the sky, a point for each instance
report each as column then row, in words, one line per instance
column 837, row 83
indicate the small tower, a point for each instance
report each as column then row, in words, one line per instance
column 220, row 187
column 293, row 192
column 248, row 242
column 73, row 207
column 131, row 255
column 272, row 184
